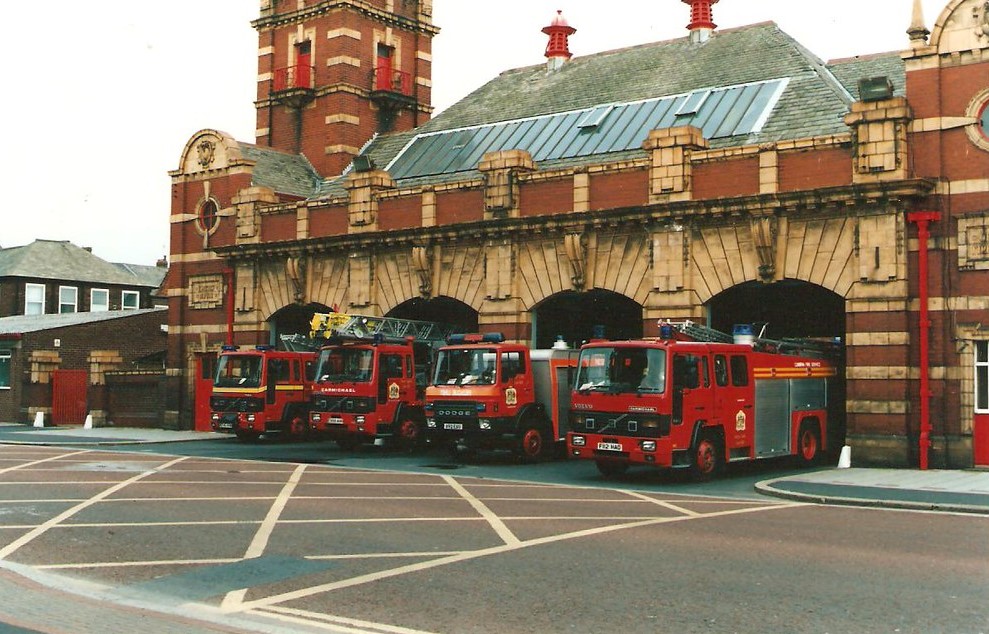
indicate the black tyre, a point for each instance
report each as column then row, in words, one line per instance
column 534, row 443
column 409, row 435
column 706, row 456
column 809, row 443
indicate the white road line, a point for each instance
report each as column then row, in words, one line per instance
column 664, row 504
column 260, row 541
column 231, row 560
column 312, row 618
column 11, row 548
column 467, row 556
column 492, row 518
column 28, row 465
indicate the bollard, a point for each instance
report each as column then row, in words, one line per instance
column 39, row 419
column 845, row 458
column 89, row 422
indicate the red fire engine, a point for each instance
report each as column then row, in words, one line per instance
column 371, row 377
column 486, row 393
column 261, row 390
column 698, row 399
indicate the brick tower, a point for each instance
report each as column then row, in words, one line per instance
column 332, row 73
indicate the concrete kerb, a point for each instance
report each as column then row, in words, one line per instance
column 775, row 488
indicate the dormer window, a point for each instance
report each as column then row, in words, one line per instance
column 692, row 104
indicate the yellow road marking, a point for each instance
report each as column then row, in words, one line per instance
column 492, row 518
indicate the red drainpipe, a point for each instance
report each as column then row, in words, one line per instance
column 923, row 218
column 229, row 274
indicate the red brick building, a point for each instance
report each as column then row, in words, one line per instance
column 727, row 176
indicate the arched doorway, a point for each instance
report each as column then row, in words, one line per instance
column 443, row 310
column 578, row 317
column 789, row 308
column 294, row 319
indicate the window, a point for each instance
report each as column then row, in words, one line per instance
column 720, row 370
column 4, row 369
column 984, row 120
column 739, row 371
column 34, row 299
column 207, row 216
column 130, row 300
column 982, row 377
column 68, row 299
column 99, row 300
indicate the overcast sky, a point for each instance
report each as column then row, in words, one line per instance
column 103, row 95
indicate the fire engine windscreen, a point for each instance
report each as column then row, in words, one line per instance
column 344, row 365
column 621, row 369
column 466, row 366
column 234, row 370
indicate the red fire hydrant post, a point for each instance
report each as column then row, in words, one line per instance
column 923, row 219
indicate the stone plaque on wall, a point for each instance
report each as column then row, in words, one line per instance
column 206, row 291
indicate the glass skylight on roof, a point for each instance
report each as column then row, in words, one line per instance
column 719, row 112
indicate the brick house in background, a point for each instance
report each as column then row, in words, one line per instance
column 80, row 336
column 105, row 364
column 51, row 277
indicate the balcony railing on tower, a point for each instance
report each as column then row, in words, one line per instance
column 389, row 80
column 295, row 77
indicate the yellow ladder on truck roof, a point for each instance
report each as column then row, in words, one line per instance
column 326, row 325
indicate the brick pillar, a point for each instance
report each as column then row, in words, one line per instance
column 501, row 187
column 248, row 203
column 363, row 188
column 670, row 169
column 101, row 362
column 879, row 134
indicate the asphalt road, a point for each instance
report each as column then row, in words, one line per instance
column 331, row 542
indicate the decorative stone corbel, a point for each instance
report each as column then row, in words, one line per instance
column 500, row 171
column 422, row 265
column 295, row 267
column 764, row 229
column 577, row 255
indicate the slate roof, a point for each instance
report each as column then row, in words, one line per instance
column 815, row 101
column 19, row 324
column 62, row 260
column 850, row 70
column 285, row 173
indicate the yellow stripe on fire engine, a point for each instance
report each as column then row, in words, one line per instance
column 792, row 373
column 258, row 390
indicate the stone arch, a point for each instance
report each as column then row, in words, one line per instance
column 820, row 251
column 575, row 316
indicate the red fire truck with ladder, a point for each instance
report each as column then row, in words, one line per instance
column 698, row 399
column 486, row 394
column 371, row 377
column 261, row 390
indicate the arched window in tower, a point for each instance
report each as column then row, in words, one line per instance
column 208, row 217
column 984, row 120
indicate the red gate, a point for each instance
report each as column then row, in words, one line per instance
column 69, row 388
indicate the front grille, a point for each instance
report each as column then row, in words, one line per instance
column 452, row 411
column 343, row 404
column 235, row 404
column 621, row 424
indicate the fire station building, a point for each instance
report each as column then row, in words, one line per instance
column 728, row 176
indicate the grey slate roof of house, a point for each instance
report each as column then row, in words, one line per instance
column 814, row 103
column 19, row 324
column 62, row 260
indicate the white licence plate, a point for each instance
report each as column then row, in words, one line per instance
column 609, row 446
column 453, row 425
column 334, row 421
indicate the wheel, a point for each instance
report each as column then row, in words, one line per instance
column 611, row 468
column 706, row 459
column 299, row 429
column 809, row 443
column 533, row 443
column 409, row 434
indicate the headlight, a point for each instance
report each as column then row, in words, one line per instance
column 360, row 420
column 648, row 445
column 216, row 416
column 316, row 417
column 431, row 422
column 578, row 441
column 484, row 424
column 250, row 418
